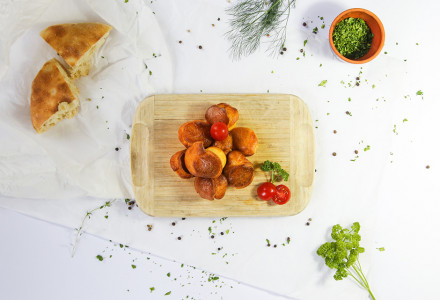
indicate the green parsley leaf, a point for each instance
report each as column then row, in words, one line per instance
column 419, row 93
column 99, row 257
column 152, row 289
column 323, row 83
column 169, row 293
column 367, row 148
column 168, row 274
column 342, row 254
column 133, row 266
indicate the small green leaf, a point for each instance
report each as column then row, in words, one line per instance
column 128, row 136
column 133, row 266
column 305, row 42
column 405, row 120
column 381, row 249
column 419, row 93
column 169, row 293
column 367, row 148
column 322, row 83
column 168, row 274
column 152, row 289
column 99, row 257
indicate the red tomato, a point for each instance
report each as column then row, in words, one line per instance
column 266, row 191
column 219, row 131
column 282, row 195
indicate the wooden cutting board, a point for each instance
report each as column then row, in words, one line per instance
column 284, row 129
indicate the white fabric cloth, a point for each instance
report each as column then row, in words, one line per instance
column 345, row 191
column 78, row 157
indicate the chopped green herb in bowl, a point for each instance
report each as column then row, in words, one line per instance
column 352, row 38
column 357, row 36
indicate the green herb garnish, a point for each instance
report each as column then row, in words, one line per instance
column 352, row 38
column 322, row 83
column 342, row 254
column 99, row 257
column 277, row 173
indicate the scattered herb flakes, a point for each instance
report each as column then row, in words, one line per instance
column 315, row 30
column 268, row 243
column 419, row 93
column 167, row 294
column 320, row 65
column 349, row 99
column 152, row 289
column 149, row 72
column 126, row 1
column 133, row 266
column 168, row 274
column 381, row 249
column 210, row 230
column 99, row 257
column 373, row 86
column 127, row 136
column 405, row 120
column 227, row 231
column 323, row 26
column 102, row 56
column 305, row 42
column 367, row 148
column 323, row 83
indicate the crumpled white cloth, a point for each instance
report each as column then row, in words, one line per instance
column 78, row 157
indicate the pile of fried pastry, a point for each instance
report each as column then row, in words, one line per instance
column 215, row 164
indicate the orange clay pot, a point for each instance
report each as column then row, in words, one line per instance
column 376, row 28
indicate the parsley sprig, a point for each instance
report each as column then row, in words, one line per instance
column 342, row 254
column 277, row 173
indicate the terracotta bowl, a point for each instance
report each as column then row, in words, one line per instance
column 376, row 28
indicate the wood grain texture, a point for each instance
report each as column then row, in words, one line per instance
column 284, row 129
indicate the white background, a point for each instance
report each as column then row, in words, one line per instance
column 35, row 259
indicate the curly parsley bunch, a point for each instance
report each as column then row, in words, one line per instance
column 342, row 254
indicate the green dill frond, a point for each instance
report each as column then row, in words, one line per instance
column 252, row 20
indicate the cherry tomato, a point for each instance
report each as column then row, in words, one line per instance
column 266, row 191
column 219, row 131
column 282, row 195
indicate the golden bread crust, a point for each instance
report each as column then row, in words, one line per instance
column 49, row 89
column 72, row 41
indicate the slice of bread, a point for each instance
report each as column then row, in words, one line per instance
column 53, row 98
column 76, row 44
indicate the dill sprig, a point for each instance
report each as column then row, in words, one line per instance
column 80, row 230
column 252, row 20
